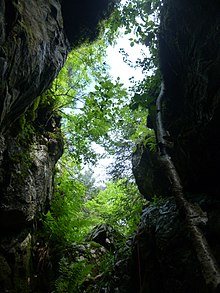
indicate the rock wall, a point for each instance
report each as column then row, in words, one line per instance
column 190, row 66
column 35, row 37
column 189, row 42
column 163, row 258
column 148, row 173
column 33, row 49
column 26, row 183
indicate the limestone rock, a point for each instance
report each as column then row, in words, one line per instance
column 32, row 51
column 27, row 184
column 34, row 42
column 148, row 173
column 106, row 236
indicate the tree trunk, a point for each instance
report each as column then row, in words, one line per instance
column 192, row 213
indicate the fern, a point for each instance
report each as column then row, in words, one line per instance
column 66, row 222
column 150, row 141
column 72, row 275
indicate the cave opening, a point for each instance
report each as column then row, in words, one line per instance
column 109, row 169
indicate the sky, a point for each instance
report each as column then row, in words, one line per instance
column 118, row 68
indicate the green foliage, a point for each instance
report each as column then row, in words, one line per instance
column 66, row 223
column 107, row 263
column 97, row 109
column 72, row 275
column 97, row 116
column 119, row 205
column 72, row 216
column 83, row 66
column 156, row 199
column 150, row 142
column 129, row 131
column 32, row 112
column 74, row 213
column 92, row 105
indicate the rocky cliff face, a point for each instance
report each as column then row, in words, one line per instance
column 163, row 259
column 27, row 170
column 190, row 65
column 35, row 37
column 190, row 61
column 33, row 49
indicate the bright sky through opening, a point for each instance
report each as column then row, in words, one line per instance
column 118, row 68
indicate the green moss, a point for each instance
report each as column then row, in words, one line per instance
column 94, row 244
column 39, row 120
column 20, row 154
column 32, row 112
column 22, row 122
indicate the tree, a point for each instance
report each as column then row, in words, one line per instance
column 91, row 103
column 65, row 222
column 119, row 205
column 95, row 108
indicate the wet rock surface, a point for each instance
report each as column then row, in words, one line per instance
column 32, row 51
column 162, row 258
column 189, row 62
